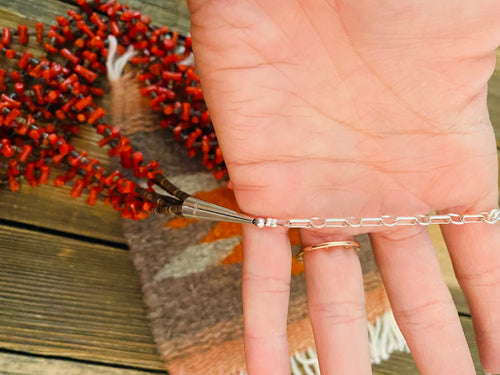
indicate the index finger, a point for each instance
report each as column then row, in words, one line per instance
column 266, row 290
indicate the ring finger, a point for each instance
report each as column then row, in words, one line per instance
column 336, row 304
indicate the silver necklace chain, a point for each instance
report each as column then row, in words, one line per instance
column 491, row 217
column 198, row 209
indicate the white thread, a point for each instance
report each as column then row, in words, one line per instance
column 188, row 61
column 115, row 66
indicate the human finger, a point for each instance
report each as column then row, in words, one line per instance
column 266, row 291
column 336, row 302
column 421, row 301
column 475, row 253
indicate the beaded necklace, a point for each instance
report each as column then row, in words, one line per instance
column 46, row 99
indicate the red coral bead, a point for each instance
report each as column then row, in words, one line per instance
column 115, row 29
column 96, row 115
column 22, row 31
column 25, row 153
column 11, row 117
column 34, row 134
column 6, row 36
column 171, row 76
column 44, row 177
column 78, row 188
column 86, row 73
column 7, row 150
column 49, row 48
column 39, row 32
column 11, row 103
column 62, row 21
column 98, row 21
column 10, row 53
column 92, row 198
column 13, row 183
column 83, row 103
column 66, row 53
column 24, row 60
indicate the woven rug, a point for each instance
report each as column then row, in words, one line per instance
column 191, row 270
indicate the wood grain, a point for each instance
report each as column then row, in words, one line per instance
column 65, row 297
column 400, row 363
column 15, row 364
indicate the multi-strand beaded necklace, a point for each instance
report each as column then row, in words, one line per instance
column 46, row 99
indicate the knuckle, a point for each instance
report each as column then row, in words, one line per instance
column 266, row 283
column 338, row 313
column 431, row 315
column 257, row 336
column 488, row 277
column 402, row 234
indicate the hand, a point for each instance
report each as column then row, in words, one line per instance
column 358, row 108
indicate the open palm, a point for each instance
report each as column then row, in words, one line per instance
column 342, row 108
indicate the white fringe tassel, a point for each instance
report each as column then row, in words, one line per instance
column 384, row 337
column 115, row 66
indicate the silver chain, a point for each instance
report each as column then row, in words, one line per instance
column 491, row 217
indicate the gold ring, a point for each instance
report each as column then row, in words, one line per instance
column 327, row 245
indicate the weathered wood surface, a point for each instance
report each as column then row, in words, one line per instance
column 400, row 363
column 65, row 297
column 15, row 364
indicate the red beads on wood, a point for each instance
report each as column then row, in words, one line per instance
column 37, row 114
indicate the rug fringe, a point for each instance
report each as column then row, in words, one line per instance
column 384, row 338
column 114, row 65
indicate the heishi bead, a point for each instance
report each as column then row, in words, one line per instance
column 66, row 53
column 22, row 32
column 39, row 32
column 86, row 73
column 6, row 36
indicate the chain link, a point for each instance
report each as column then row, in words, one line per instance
column 491, row 217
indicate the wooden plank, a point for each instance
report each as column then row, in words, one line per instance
column 29, row 12
column 403, row 363
column 68, row 298
column 171, row 13
column 49, row 207
column 15, row 364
